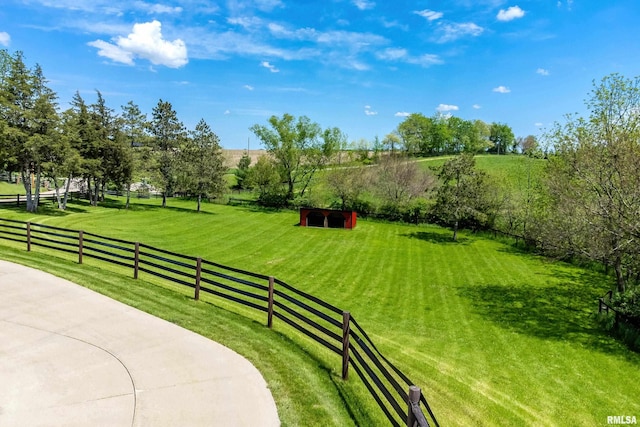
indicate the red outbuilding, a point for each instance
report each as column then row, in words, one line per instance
column 327, row 218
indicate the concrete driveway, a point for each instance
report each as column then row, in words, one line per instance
column 72, row 357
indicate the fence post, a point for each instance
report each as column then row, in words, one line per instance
column 346, row 329
column 28, row 237
column 80, row 245
column 414, row 398
column 270, row 303
column 17, row 200
column 136, row 260
column 198, row 276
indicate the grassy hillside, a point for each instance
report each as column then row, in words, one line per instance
column 511, row 171
column 494, row 336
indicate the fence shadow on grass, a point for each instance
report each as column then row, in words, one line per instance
column 47, row 210
column 564, row 311
column 120, row 204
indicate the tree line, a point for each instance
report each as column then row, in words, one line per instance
column 94, row 144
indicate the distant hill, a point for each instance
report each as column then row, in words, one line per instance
column 232, row 157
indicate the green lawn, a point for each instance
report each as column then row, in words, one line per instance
column 492, row 335
column 6, row 188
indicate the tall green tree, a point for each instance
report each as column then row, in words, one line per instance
column 501, row 137
column 28, row 111
column 168, row 133
column 415, row 132
column 63, row 159
column 464, row 195
column 299, row 147
column 242, row 170
column 265, row 177
column 443, row 134
column 86, row 143
column 201, row 165
column 134, row 126
column 115, row 159
column 592, row 203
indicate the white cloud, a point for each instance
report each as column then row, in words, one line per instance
column 446, row 107
column 248, row 87
column 394, row 24
column 476, row 106
column 501, row 89
column 538, row 124
column 392, row 54
column 351, row 39
column 454, row 31
column 514, row 12
column 227, row 112
column 425, row 60
column 369, row 112
column 400, row 54
column 245, row 21
column 429, row 15
column 5, row 38
column 402, row 114
column 269, row 66
column 542, row 72
column 146, row 42
column 268, row 5
column 364, row 4
column 161, row 8
column 568, row 2
column 113, row 52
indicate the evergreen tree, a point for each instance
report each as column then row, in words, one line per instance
column 201, row 167
column 168, row 133
column 29, row 115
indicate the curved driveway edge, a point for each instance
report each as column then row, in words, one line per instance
column 70, row 356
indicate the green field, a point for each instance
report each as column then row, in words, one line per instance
column 492, row 335
column 6, row 188
column 510, row 172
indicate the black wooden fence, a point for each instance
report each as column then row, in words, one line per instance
column 335, row 329
column 21, row 199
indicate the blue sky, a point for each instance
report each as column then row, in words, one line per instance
column 360, row 65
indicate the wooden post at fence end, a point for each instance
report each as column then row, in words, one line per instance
column 198, row 276
column 346, row 329
column 414, row 398
column 270, row 303
column 28, row 237
column 136, row 260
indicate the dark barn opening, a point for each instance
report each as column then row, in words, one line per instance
column 315, row 219
column 335, row 220
column 327, row 218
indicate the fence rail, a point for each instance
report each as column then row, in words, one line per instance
column 21, row 199
column 335, row 329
